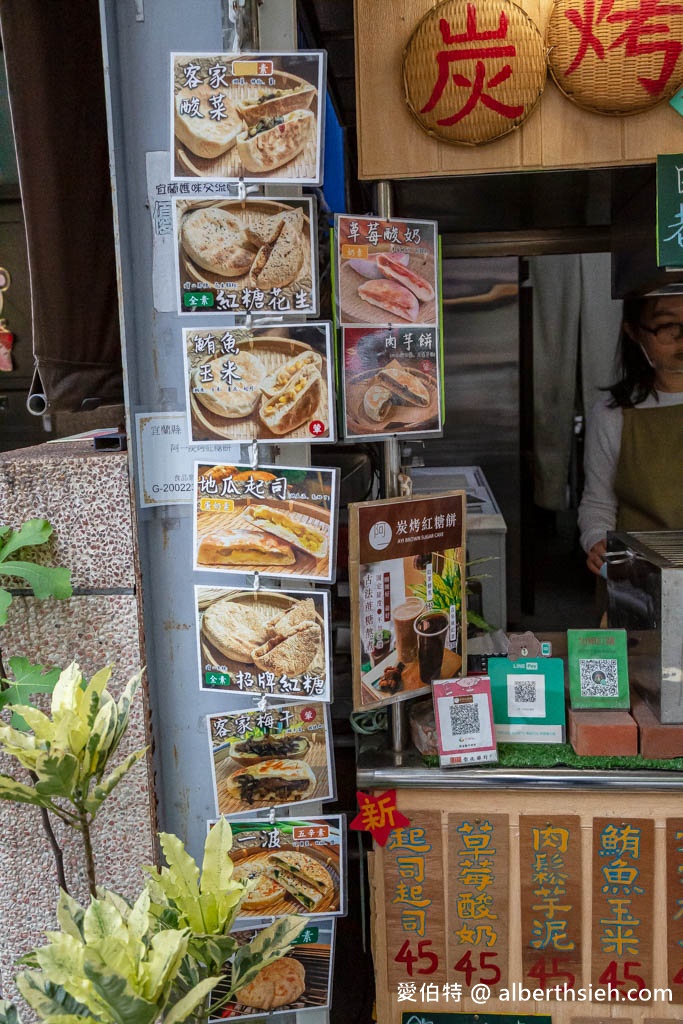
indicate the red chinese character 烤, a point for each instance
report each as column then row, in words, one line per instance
column 479, row 82
column 640, row 25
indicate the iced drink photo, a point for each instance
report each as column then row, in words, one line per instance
column 404, row 616
column 430, row 630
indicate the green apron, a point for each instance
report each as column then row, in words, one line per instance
column 649, row 480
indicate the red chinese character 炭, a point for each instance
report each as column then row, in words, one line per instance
column 445, row 58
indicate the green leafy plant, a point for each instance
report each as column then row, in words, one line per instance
column 44, row 581
column 117, row 963
column 447, row 590
column 68, row 752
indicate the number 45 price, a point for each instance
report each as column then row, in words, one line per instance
column 491, row 970
column 406, row 956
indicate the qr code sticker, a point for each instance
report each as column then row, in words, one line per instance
column 598, row 677
column 464, row 719
column 525, row 692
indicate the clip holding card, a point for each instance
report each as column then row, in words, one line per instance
column 257, row 582
column 242, row 192
column 253, row 454
column 263, row 703
column 271, row 816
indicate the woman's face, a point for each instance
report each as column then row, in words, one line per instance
column 660, row 333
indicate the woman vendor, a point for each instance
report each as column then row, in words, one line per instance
column 634, row 438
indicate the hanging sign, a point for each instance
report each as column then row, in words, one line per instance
column 674, row 903
column 260, row 383
column 386, row 271
column 255, row 117
column 472, row 72
column 246, row 256
column 414, row 903
column 391, row 382
column 464, row 721
column 301, row 980
column 551, row 892
column 274, row 757
column 276, row 520
column 670, row 211
column 623, row 903
column 294, row 866
column 479, row 914
column 407, row 579
column 272, row 643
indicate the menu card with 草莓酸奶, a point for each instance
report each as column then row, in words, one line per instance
column 407, row 579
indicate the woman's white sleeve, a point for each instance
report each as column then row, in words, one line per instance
column 598, row 507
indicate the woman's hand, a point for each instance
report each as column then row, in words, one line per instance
column 596, row 556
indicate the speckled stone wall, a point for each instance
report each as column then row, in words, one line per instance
column 86, row 498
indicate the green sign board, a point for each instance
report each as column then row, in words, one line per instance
column 198, row 300
column 670, row 211
column 309, row 934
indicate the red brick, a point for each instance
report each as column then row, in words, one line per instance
column 655, row 738
column 603, row 733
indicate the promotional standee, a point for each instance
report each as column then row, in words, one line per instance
column 407, row 576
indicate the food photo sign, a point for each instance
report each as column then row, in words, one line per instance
column 279, row 521
column 407, row 578
column 291, row 865
column 259, row 383
column 254, row 117
column 299, row 981
column 246, row 256
column 391, row 381
column 273, row 757
column 272, row 643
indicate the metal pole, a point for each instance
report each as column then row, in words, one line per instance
column 398, row 719
column 240, row 25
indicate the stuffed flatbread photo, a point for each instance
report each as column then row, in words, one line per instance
column 275, row 382
column 279, row 261
column 234, row 629
column 303, row 535
column 278, row 984
column 204, row 136
column 261, row 748
column 295, row 404
column 234, row 395
column 275, row 140
column 292, row 653
column 214, row 239
column 278, row 781
column 244, row 547
column 264, row 891
column 302, row 611
column 277, row 102
column 299, row 867
column 405, row 386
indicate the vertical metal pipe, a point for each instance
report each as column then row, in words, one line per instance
column 398, row 719
column 240, row 25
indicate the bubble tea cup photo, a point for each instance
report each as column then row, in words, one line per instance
column 404, row 616
column 430, row 628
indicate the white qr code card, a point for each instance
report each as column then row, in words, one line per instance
column 464, row 721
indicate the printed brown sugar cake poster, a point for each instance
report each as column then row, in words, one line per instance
column 270, row 758
column 265, row 384
column 407, row 579
column 255, row 117
column 278, row 521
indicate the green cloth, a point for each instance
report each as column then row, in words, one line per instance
column 561, row 755
column 650, row 469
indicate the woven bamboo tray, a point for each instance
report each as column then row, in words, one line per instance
column 521, row 89
column 266, row 605
column 247, row 213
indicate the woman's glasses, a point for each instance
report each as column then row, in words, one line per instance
column 666, row 334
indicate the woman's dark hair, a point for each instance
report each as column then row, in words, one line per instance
column 636, row 375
